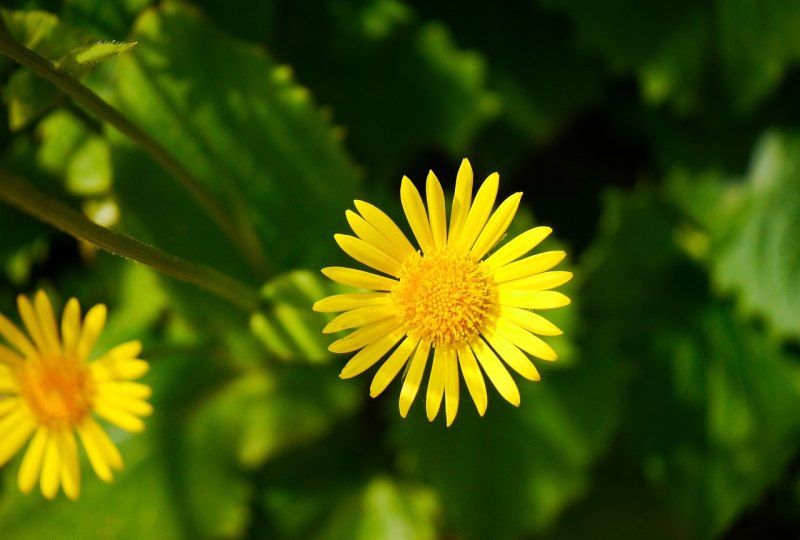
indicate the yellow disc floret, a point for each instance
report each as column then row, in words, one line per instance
column 59, row 393
column 443, row 297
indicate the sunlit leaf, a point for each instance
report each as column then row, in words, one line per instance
column 251, row 136
column 287, row 327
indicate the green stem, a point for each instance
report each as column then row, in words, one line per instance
column 250, row 249
column 24, row 196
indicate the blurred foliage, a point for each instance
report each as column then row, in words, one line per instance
column 659, row 139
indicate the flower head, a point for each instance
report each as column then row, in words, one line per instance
column 50, row 391
column 472, row 310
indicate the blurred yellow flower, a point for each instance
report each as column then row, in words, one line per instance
column 49, row 390
column 473, row 311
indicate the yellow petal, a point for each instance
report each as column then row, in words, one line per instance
column 366, row 254
column 435, row 384
column 92, row 327
column 372, row 236
column 359, row 278
column 16, row 338
column 47, row 323
column 517, row 247
column 538, row 282
column 389, row 370
column 528, row 266
column 414, row 377
column 525, row 340
column 103, row 454
column 8, row 404
column 496, row 227
column 366, row 357
column 28, row 315
column 479, row 212
column 51, row 469
column 359, row 317
column 9, row 357
column 71, row 326
column 15, row 429
column 530, row 321
column 118, row 369
column 450, row 385
column 32, row 462
column 70, row 468
column 8, row 384
column 348, row 301
column 120, row 363
column 496, row 372
column 473, row 377
column 512, row 356
column 436, row 211
column 364, row 336
column 135, row 406
column 461, row 201
column 532, row 299
column 415, row 213
column 378, row 219
column 119, row 417
column 125, row 388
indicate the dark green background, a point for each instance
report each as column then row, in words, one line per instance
column 659, row 139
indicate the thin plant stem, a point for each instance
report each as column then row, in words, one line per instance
column 25, row 197
column 245, row 241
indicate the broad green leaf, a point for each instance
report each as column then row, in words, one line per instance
column 27, row 95
column 111, row 20
column 753, row 228
column 287, row 327
column 333, row 489
column 709, row 394
column 89, row 171
column 397, row 84
column 139, row 504
column 253, row 418
column 250, row 135
column 383, row 509
column 43, row 32
column 536, row 457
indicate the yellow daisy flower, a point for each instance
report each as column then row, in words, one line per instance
column 48, row 390
column 472, row 310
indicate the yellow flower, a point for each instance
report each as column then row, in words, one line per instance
column 50, row 391
column 472, row 310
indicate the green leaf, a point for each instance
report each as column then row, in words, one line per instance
column 397, row 84
column 29, row 96
column 709, row 393
column 753, row 226
column 137, row 505
column 536, row 457
column 384, row 509
column 287, row 327
column 253, row 418
column 249, row 134
column 81, row 59
column 89, row 171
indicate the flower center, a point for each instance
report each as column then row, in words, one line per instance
column 59, row 391
column 443, row 296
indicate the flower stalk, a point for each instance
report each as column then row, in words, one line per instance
column 238, row 232
column 25, row 197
